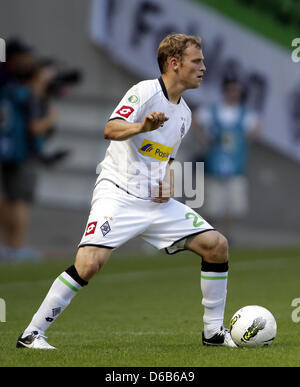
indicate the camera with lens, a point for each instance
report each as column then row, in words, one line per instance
column 60, row 80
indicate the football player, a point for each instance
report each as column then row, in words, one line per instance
column 132, row 195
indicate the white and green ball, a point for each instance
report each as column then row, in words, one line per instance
column 253, row 326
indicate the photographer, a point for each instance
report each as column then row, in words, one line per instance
column 26, row 117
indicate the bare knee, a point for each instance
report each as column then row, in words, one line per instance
column 212, row 246
column 90, row 260
column 219, row 253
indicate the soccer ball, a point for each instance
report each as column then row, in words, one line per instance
column 253, row 326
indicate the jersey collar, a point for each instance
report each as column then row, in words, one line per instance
column 164, row 90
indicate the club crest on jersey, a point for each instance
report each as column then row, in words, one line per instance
column 182, row 130
column 155, row 150
column 105, row 228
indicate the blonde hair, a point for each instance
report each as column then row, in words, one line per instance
column 174, row 45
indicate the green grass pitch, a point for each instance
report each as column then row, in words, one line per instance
column 146, row 311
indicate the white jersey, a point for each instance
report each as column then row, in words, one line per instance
column 136, row 164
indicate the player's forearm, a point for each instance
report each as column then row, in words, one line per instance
column 120, row 130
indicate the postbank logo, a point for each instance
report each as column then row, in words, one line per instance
column 155, row 150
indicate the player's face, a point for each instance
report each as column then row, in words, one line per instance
column 192, row 68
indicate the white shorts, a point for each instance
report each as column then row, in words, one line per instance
column 225, row 197
column 117, row 216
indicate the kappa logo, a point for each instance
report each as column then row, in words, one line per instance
column 125, row 111
column 91, row 228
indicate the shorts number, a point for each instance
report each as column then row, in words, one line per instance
column 196, row 217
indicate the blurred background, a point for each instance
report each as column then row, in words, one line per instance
column 68, row 64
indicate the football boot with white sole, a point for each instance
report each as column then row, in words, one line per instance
column 222, row 338
column 34, row 340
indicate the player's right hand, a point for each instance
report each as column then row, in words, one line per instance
column 153, row 121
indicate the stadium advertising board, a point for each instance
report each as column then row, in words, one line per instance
column 130, row 31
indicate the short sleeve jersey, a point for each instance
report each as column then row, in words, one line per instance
column 136, row 164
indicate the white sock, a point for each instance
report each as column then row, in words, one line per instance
column 63, row 289
column 214, row 290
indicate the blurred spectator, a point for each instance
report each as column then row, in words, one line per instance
column 18, row 55
column 227, row 126
column 25, row 119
